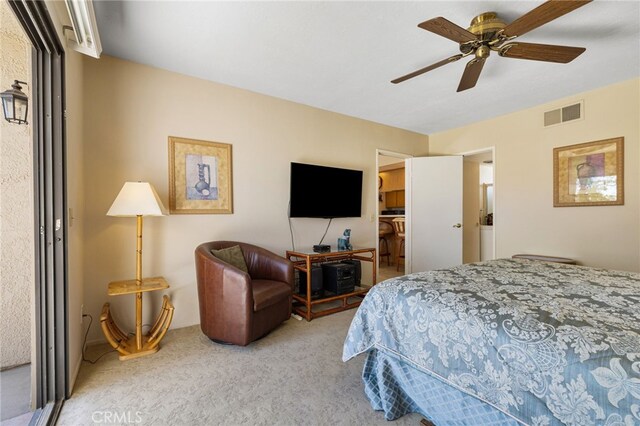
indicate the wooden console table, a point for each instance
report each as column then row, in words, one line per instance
column 303, row 261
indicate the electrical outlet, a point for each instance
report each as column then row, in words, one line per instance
column 81, row 313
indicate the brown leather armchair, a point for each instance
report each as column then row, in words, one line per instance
column 236, row 307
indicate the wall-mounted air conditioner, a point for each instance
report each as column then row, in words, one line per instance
column 83, row 37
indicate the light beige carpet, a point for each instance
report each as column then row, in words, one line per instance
column 294, row 376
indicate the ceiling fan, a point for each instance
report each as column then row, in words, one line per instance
column 488, row 32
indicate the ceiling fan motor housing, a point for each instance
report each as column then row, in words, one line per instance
column 486, row 25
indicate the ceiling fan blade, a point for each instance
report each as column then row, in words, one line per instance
column 542, row 14
column 448, row 29
column 541, row 52
column 426, row 69
column 471, row 74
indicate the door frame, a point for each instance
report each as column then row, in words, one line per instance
column 491, row 149
column 401, row 156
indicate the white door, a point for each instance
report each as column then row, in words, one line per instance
column 434, row 217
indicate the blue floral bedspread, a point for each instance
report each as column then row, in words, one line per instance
column 545, row 343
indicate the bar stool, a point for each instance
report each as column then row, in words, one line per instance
column 384, row 229
column 398, row 227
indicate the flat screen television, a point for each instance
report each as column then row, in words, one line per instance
column 325, row 192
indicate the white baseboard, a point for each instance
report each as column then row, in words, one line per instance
column 74, row 376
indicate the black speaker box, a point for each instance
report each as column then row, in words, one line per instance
column 338, row 278
column 358, row 269
column 316, row 281
column 344, row 286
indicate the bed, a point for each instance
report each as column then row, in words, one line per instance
column 503, row 342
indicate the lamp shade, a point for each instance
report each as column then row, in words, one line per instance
column 137, row 199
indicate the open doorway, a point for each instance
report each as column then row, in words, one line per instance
column 391, row 213
column 478, row 206
column 17, row 251
column 447, row 203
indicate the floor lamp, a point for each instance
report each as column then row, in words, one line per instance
column 137, row 199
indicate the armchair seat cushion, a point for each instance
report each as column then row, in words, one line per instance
column 267, row 293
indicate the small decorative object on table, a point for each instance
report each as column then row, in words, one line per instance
column 343, row 242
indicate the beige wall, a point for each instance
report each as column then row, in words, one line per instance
column 16, row 202
column 131, row 109
column 525, row 219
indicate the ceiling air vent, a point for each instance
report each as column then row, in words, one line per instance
column 564, row 114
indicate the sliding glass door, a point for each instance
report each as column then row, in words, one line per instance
column 47, row 103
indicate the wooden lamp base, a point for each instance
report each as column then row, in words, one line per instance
column 135, row 346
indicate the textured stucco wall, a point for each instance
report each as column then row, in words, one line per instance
column 16, row 203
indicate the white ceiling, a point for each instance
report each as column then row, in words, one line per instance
column 340, row 56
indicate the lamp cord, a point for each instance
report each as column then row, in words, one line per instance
column 84, row 343
column 325, row 231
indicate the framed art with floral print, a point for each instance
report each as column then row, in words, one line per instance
column 589, row 174
column 199, row 177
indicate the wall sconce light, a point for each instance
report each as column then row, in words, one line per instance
column 15, row 104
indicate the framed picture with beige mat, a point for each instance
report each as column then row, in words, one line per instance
column 199, row 177
column 589, row 174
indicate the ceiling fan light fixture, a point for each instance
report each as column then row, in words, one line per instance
column 483, row 52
